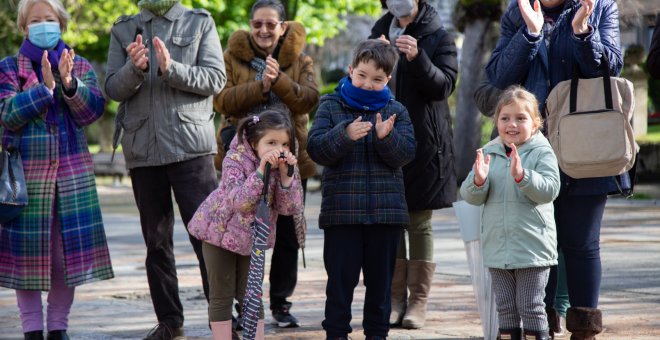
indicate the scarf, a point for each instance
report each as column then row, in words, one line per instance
column 35, row 53
column 157, row 7
column 360, row 99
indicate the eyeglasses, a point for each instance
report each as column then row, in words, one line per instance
column 270, row 25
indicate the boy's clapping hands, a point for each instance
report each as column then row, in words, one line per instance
column 358, row 129
column 383, row 128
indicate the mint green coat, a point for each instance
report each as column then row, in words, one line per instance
column 518, row 225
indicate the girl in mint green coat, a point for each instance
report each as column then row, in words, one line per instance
column 516, row 178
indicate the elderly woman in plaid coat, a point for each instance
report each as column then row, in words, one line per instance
column 47, row 95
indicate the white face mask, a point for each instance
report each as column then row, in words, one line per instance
column 401, row 8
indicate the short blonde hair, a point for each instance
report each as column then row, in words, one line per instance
column 24, row 7
column 518, row 94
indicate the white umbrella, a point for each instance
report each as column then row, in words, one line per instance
column 469, row 222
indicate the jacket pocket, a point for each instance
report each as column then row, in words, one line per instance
column 197, row 133
column 185, row 49
column 135, row 141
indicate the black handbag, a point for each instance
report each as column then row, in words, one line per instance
column 13, row 190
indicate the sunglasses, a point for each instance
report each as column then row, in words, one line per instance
column 270, row 25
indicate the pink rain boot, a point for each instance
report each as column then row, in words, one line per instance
column 260, row 330
column 221, row 330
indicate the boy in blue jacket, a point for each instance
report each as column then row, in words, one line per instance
column 362, row 137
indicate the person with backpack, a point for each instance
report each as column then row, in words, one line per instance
column 539, row 43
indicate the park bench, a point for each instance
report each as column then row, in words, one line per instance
column 116, row 168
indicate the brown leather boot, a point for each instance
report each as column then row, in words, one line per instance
column 419, row 277
column 399, row 291
column 584, row 322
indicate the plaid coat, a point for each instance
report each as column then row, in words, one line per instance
column 56, row 177
column 362, row 180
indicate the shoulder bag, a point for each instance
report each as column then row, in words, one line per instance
column 13, row 190
column 589, row 125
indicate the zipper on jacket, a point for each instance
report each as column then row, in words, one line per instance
column 370, row 209
column 151, row 66
column 507, row 190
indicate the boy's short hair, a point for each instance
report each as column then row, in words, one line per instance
column 378, row 51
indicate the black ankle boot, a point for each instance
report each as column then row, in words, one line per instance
column 58, row 335
column 537, row 335
column 34, row 335
column 509, row 334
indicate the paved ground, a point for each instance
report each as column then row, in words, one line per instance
column 121, row 308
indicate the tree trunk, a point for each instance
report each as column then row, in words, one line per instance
column 467, row 124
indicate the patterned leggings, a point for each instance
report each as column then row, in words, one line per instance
column 519, row 294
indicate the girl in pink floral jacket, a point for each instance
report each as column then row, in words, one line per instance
column 224, row 220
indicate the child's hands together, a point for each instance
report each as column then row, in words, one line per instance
column 516, row 165
column 383, row 128
column 358, row 129
column 481, row 166
column 271, row 157
column 274, row 157
column 286, row 159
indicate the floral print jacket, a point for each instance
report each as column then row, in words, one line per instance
column 226, row 217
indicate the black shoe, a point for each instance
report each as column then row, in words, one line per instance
column 283, row 319
column 164, row 332
column 509, row 334
column 57, row 335
column 34, row 335
column 237, row 322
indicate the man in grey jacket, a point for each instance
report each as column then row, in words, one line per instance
column 164, row 66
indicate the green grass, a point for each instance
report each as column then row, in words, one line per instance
column 642, row 196
column 652, row 135
column 94, row 148
column 486, row 129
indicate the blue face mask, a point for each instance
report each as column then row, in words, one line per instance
column 44, row 34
